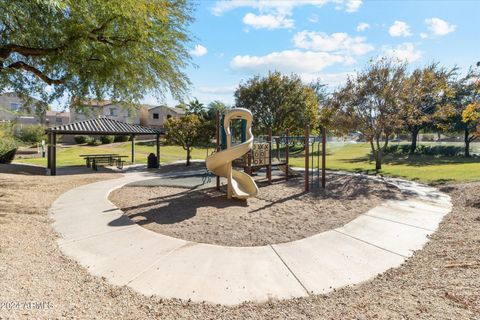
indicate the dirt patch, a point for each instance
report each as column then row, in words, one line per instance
column 281, row 212
column 439, row 282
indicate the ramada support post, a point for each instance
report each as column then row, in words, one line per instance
column 158, row 149
column 49, row 152
column 54, row 155
column 133, row 149
column 307, row 155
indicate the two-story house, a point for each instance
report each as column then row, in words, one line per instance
column 90, row 109
column 23, row 110
column 158, row 115
column 56, row 118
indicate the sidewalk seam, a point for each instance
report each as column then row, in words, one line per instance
column 290, row 270
column 374, row 245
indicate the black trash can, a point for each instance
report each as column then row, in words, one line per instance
column 152, row 161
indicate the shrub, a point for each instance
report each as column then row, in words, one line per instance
column 8, row 147
column 82, row 139
column 94, row 142
column 31, row 133
column 107, row 139
column 121, row 138
column 439, row 150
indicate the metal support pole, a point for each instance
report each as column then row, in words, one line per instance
column 49, row 152
column 324, row 155
column 133, row 149
column 307, row 154
column 269, row 168
column 217, row 144
column 53, row 169
column 158, row 150
column 287, row 144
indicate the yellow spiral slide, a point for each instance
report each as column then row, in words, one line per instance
column 240, row 184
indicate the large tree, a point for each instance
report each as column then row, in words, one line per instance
column 459, row 113
column 369, row 103
column 120, row 48
column 279, row 102
column 423, row 92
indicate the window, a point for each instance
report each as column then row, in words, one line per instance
column 113, row 112
column 155, row 116
column 58, row 120
column 169, row 116
column 15, row 106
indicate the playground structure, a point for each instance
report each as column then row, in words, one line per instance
column 240, row 184
column 253, row 154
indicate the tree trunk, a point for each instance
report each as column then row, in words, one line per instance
column 467, row 143
column 188, row 156
column 378, row 160
column 413, row 145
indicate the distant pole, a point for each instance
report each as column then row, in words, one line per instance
column 133, row 149
column 307, row 155
column 54, row 155
column 269, row 168
column 324, row 155
column 217, row 143
column 287, row 138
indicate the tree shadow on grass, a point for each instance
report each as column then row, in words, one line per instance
column 415, row 160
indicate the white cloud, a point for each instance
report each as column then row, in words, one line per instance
column 403, row 52
column 313, row 18
column 439, row 27
column 289, row 61
column 340, row 42
column 399, row 29
column 362, row 26
column 268, row 21
column 353, row 5
column 423, row 35
column 284, row 7
column 199, row 51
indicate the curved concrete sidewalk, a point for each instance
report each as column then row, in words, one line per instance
column 96, row 234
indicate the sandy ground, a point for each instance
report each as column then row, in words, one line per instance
column 440, row 282
column 281, row 212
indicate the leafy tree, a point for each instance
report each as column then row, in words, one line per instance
column 81, row 48
column 279, row 102
column 458, row 114
column 31, row 133
column 186, row 132
column 369, row 104
column 423, row 91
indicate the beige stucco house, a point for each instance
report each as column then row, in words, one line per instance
column 20, row 109
column 56, row 118
column 158, row 115
column 91, row 109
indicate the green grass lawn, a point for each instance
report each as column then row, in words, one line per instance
column 341, row 156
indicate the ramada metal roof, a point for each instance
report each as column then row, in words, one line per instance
column 101, row 126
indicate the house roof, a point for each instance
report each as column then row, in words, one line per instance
column 102, row 126
column 57, row 113
column 176, row 110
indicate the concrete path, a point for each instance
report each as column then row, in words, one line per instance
column 96, row 234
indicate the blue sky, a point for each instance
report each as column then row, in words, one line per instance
column 326, row 39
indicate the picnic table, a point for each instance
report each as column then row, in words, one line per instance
column 93, row 160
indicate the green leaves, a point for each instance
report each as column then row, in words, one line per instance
column 121, row 49
column 279, row 102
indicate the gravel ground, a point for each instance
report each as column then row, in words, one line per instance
column 281, row 212
column 440, row 282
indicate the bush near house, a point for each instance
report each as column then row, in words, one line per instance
column 107, row 139
column 8, row 147
column 82, row 139
column 94, row 142
column 31, row 134
column 122, row 138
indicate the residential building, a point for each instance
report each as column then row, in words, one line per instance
column 158, row 115
column 91, row 109
column 56, row 118
column 23, row 110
